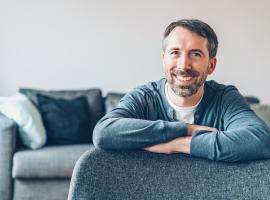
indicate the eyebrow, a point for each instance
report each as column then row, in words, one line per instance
column 197, row 50
column 192, row 50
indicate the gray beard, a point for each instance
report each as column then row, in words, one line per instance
column 187, row 91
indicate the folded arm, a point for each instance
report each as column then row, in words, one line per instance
column 181, row 144
column 245, row 135
column 128, row 126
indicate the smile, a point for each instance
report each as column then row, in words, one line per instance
column 183, row 78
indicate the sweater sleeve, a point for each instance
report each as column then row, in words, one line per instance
column 245, row 135
column 128, row 126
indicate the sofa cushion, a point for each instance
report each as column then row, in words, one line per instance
column 47, row 162
column 263, row 111
column 27, row 117
column 41, row 189
column 94, row 98
column 252, row 100
column 112, row 99
column 66, row 121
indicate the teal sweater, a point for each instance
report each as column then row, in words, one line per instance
column 144, row 118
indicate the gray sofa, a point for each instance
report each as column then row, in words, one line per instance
column 140, row 175
column 44, row 173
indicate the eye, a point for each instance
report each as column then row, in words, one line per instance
column 196, row 54
column 174, row 52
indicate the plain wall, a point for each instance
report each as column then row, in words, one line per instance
column 116, row 45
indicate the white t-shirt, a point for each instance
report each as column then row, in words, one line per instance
column 184, row 114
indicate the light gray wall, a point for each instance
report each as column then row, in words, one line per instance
column 116, row 45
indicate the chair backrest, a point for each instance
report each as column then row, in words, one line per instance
column 142, row 175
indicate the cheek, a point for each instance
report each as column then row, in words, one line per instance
column 168, row 64
column 201, row 67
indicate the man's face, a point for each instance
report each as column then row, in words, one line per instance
column 186, row 61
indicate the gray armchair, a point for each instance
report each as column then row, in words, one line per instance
column 140, row 175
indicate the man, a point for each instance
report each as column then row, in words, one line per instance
column 184, row 113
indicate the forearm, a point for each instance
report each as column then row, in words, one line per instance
column 181, row 144
column 129, row 133
column 247, row 143
column 178, row 145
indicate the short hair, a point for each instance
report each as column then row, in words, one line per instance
column 198, row 27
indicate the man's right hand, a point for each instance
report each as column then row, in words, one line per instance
column 191, row 128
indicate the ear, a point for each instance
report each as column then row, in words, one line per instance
column 212, row 65
column 162, row 55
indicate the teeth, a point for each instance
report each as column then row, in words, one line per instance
column 181, row 78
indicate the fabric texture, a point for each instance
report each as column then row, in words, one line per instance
column 7, row 148
column 47, row 162
column 263, row 111
column 144, row 118
column 65, row 121
column 112, row 99
column 45, row 189
column 26, row 115
column 144, row 175
column 93, row 95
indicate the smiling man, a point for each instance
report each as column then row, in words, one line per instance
column 184, row 113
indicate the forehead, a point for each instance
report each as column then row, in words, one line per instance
column 184, row 39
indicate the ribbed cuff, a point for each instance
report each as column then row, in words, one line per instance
column 202, row 145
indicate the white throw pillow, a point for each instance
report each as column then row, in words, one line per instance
column 20, row 109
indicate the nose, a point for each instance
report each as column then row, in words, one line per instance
column 183, row 62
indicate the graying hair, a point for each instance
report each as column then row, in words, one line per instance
column 198, row 27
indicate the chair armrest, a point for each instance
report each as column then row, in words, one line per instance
column 102, row 174
column 7, row 148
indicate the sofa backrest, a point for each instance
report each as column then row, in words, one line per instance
column 111, row 100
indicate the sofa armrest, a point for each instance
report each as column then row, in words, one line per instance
column 102, row 174
column 7, row 148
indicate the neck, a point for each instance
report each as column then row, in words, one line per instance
column 185, row 101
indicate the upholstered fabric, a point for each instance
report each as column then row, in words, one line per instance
column 112, row 99
column 252, row 100
column 142, row 175
column 94, row 98
column 7, row 148
column 41, row 189
column 48, row 162
column 263, row 111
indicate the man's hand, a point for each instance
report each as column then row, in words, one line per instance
column 178, row 145
column 191, row 128
column 181, row 144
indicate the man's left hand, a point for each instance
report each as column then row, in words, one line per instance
column 178, row 145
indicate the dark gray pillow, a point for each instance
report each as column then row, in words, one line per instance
column 93, row 96
column 65, row 121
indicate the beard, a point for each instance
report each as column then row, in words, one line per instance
column 198, row 79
